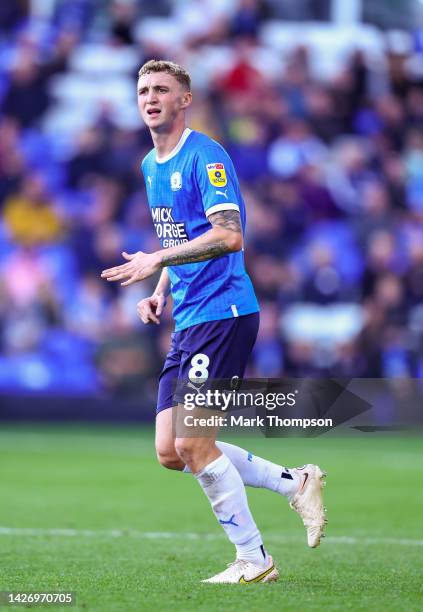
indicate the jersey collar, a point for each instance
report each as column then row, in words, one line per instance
column 176, row 150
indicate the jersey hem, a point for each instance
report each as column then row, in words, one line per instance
column 221, row 317
column 219, row 207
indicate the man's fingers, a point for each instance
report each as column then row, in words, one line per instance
column 124, row 270
column 144, row 308
column 160, row 305
column 143, row 315
column 113, row 271
column 128, row 256
column 146, row 314
column 118, row 269
column 131, row 280
column 119, row 273
column 116, row 277
column 107, row 273
column 152, row 317
column 149, row 319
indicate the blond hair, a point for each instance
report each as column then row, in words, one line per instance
column 180, row 74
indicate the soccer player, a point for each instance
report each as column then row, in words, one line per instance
column 199, row 216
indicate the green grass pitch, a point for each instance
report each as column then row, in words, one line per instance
column 88, row 510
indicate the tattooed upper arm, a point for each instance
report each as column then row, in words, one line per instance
column 229, row 219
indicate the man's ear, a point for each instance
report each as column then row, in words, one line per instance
column 186, row 100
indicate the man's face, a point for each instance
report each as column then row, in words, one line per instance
column 161, row 99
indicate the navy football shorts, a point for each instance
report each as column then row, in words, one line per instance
column 215, row 350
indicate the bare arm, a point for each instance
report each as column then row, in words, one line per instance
column 224, row 237
column 163, row 286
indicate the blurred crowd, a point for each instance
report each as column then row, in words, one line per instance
column 331, row 171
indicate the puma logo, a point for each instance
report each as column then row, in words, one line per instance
column 197, row 387
column 222, row 193
column 229, row 522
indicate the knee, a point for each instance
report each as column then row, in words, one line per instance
column 169, row 458
column 187, row 449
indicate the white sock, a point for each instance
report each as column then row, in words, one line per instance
column 258, row 472
column 225, row 490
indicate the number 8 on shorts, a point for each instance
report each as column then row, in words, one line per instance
column 198, row 372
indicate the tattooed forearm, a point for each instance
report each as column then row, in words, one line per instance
column 224, row 237
column 229, row 219
column 197, row 253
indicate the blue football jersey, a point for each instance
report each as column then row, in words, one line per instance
column 194, row 181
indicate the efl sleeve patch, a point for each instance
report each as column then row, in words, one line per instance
column 217, row 174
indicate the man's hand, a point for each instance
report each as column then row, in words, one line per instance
column 139, row 266
column 149, row 309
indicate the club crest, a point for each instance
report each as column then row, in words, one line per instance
column 176, row 181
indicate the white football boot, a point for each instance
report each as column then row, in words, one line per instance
column 308, row 502
column 245, row 572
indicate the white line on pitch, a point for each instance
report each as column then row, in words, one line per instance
column 160, row 535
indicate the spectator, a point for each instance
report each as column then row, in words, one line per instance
column 30, row 215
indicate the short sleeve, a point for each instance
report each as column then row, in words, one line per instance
column 216, row 180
